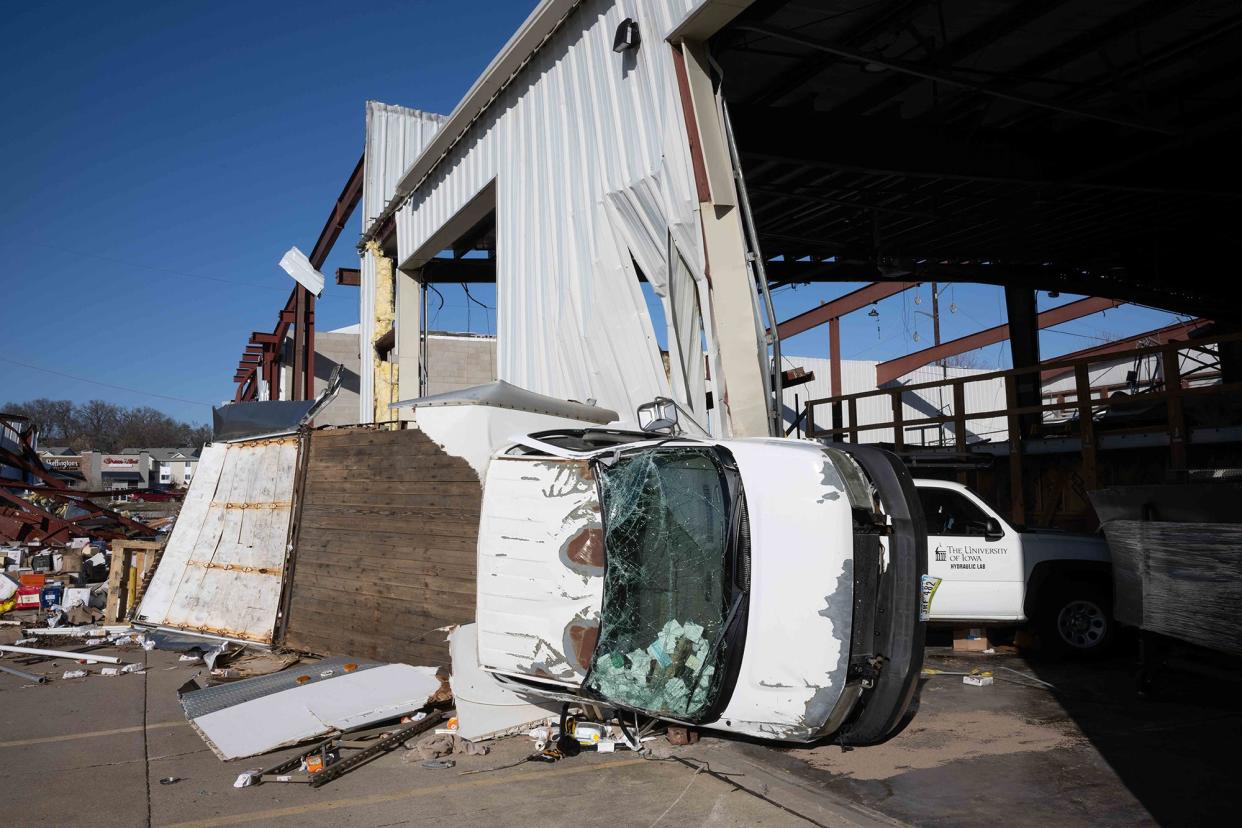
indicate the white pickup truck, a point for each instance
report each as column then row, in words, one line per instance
column 982, row 570
column 765, row 587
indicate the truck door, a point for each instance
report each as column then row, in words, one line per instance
column 980, row 571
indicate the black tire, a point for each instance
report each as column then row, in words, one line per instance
column 1076, row 621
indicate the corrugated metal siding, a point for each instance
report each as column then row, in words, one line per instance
column 395, row 136
column 858, row 376
column 580, row 122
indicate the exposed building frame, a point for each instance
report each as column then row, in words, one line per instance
column 264, row 353
column 889, row 371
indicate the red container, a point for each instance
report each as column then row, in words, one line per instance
column 28, row 597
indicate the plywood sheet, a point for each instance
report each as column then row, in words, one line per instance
column 221, row 571
column 384, row 547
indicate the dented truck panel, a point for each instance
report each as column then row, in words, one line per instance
column 796, row 657
column 541, row 568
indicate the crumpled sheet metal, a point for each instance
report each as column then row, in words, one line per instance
column 209, row 649
column 541, row 567
column 1183, row 580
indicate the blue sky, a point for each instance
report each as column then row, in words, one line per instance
column 159, row 158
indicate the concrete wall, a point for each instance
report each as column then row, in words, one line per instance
column 459, row 361
column 454, row 361
column 332, row 349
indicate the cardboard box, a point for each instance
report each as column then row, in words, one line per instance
column 970, row 639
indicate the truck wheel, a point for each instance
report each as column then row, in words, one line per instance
column 1077, row 621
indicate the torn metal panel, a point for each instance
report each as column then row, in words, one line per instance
column 222, row 568
column 198, row 703
column 487, row 709
column 540, row 568
column 316, row 708
column 270, row 418
column 500, row 394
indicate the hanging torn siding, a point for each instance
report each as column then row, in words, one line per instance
column 589, row 156
column 385, row 547
column 222, row 569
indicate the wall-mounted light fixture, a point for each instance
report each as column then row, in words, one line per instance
column 627, row 37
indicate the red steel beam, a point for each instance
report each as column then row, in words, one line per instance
column 886, row 372
column 350, row 276
column 308, row 342
column 52, row 524
column 302, row 314
column 341, row 211
column 31, row 464
column 1161, row 336
column 850, row 302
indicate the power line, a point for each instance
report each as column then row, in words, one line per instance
column 181, row 273
column 104, row 384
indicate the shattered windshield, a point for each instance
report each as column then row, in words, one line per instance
column 667, row 586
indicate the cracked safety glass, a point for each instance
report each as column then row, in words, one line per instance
column 667, row 587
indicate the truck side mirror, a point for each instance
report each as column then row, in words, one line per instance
column 992, row 530
column 659, row 415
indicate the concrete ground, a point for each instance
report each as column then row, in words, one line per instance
column 1085, row 753
column 94, row 751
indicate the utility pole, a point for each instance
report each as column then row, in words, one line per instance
column 944, row 367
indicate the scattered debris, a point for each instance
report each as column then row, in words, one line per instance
column 439, row 764
column 682, row 736
column 326, row 760
column 445, row 744
column 22, row 674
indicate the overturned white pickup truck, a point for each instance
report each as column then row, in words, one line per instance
column 766, row 587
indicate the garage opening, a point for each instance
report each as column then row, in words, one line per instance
column 1074, row 156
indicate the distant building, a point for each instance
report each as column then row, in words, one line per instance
column 65, row 464
column 168, row 466
column 132, row 468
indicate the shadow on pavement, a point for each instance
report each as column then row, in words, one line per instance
column 1178, row 750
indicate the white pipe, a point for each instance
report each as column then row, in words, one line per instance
column 103, row 659
column 79, row 632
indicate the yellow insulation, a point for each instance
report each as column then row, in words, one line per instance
column 385, row 312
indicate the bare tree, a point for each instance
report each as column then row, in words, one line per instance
column 102, row 426
column 968, row 359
